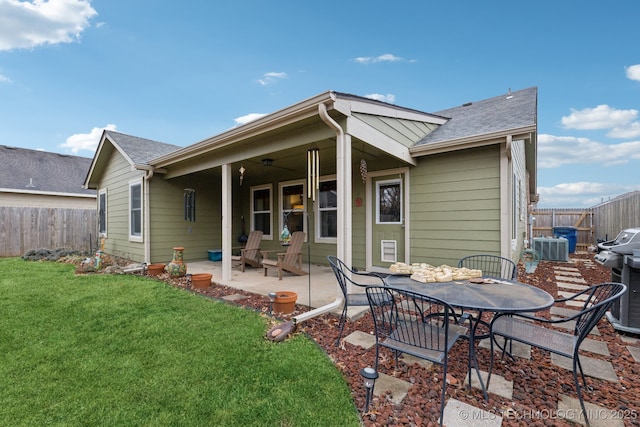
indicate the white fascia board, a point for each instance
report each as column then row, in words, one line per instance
column 375, row 138
column 296, row 112
column 47, row 193
column 472, row 141
column 348, row 106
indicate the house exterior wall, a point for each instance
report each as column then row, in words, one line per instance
column 168, row 227
column 519, row 203
column 115, row 181
column 455, row 205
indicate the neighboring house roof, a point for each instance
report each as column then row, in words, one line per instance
column 40, row 172
column 505, row 113
column 137, row 151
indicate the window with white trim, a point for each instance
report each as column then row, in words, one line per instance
column 261, row 207
column 102, row 213
column 135, row 210
column 327, row 216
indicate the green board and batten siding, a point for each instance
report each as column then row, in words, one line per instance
column 455, row 205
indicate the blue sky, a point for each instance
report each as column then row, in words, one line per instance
column 180, row 72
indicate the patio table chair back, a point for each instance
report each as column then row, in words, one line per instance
column 406, row 322
column 491, row 265
column 519, row 327
column 345, row 277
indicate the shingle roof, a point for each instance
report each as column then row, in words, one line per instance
column 140, row 150
column 502, row 113
column 31, row 170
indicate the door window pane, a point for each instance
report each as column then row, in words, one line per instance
column 389, row 197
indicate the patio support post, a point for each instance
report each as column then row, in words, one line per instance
column 226, row 221
column 343, row 186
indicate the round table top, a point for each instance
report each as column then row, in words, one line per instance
column 510, row 297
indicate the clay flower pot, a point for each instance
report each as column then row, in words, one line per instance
column 201, row 280
column 155, row 269
column 285, row 302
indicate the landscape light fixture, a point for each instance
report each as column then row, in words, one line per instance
column 370, row 375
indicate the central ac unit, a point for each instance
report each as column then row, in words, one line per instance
column 552, row 249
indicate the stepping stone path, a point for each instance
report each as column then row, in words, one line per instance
column 457, row 413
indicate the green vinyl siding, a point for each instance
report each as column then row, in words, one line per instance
column 455, row 205
column 115, row 181
column 168, row 228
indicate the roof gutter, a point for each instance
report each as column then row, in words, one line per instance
column 306, row 108
column 148, row 174
column 339, row 302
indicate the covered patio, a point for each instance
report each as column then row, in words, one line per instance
column 314, row 290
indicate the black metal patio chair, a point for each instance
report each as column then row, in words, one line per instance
column 491, row 265
column 530, row 329
column 406, row 322
column 345, row 276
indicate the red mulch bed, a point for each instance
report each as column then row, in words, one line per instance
column 537, row 383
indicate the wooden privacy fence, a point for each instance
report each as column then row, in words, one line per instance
column 26, row 228
column 616, row 215
column 582, row 219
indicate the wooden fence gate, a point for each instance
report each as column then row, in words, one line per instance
column 547, row 219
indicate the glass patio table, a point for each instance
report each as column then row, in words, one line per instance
column 496, row 295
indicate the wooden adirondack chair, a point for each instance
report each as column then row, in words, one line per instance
column 290, row 261
column 250, row 253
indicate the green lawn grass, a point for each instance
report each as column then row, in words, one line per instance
column 110, row 350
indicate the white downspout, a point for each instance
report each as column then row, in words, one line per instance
column 148, row 174
column 340, row 185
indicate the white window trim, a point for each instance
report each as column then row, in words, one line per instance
column 386, row 182
column 139, row 238
column 316, row 215
column 281, row 211
column 100, row 193
column 270, row 211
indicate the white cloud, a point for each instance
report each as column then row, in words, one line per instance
column 4, row 79
column 633, row 72
column 272, row 77
column 390, row 98
column 85, row 141
column 581, row 194
column 387, row 57
column 630, row 131
column 248, row 118
column 600, row 117
column 26, row 24
column 555, row 151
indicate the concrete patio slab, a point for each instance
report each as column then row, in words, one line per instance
column 570, row 325
column 567, row 268
column 361, row 339
column 635, row 353
column 518, row 350
column 573, row 272
column 397, row 388
column 570, row 279
column 570, row 409
column 459, row 414
column 592, row 367
column 499, row 385
column 572, row 286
